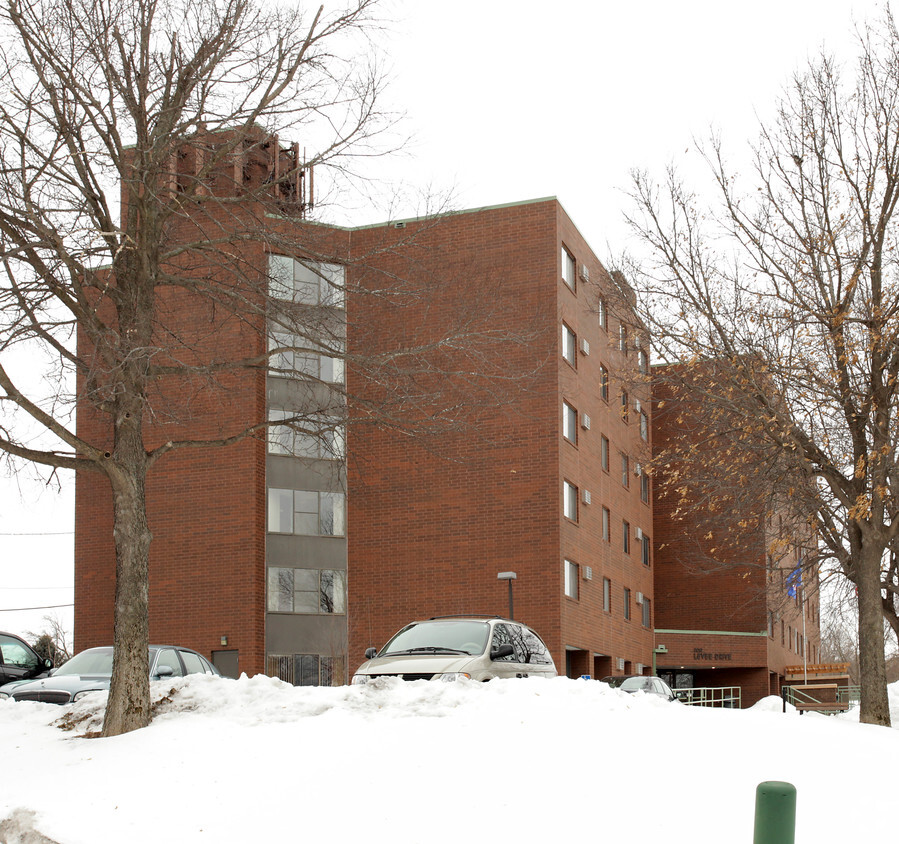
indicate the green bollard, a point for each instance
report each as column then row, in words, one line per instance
column 775, row 813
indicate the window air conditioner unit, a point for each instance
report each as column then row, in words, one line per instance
column 639, row 533
column 621, row 663
column 585, row 347
column 639, row 668
column 585, row 272
column 585, row 422
column 639, row 598
column 638, row 469
column 585, row 496
column 637, row 406
column 588, row 573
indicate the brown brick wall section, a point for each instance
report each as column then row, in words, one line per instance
column 428, row 536
column 428, row 532
column 206, row 507
column 733, row 595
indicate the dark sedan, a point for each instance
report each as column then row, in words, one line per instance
column 18, row 660
column 91, row 671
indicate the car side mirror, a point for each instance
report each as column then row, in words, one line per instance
column 48, row 663
column 164, row 671
column 502, row 650
column 371, row 653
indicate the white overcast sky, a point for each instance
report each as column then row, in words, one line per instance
column 507, row 100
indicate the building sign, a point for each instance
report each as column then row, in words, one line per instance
column 701, row 656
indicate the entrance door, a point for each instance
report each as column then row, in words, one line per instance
column 226, row 662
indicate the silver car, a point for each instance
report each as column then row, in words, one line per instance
column 453, row 648
column 91, row 671
column 641, row 683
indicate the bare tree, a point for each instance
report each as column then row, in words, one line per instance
column 143, row 189
column 53, row 641
column 786, row 295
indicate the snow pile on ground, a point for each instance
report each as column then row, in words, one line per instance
column 524, row 760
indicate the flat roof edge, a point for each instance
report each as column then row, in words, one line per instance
column 710, row 632
column 452, row 213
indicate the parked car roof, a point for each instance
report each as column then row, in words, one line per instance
column 91, row 671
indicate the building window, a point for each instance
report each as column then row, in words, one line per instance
column 569, row 423
column 307, row 669
column 625, row 406
column 644, row 487
column 625, row 469
column 603, row 383
column 571, row 575
column 770, row 624
column 622, row 338
column 569, row 345
column 647, row 612
column 290, row 356
column 645, row 550
column 306, row 512
column 606, row 519
column 627, row 604
column 604, row 452
column 626, row 536
column 307, row 436
column 568, row 268
column 643, row 361
column 306, row 282
column 569, row 505
column 314, row 591
column 644, row 426
column 606, row 595
column 602, row 310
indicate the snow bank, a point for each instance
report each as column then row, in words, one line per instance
column 533, row 760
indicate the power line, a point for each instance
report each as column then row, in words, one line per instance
column 48, row 607
column 42, row 533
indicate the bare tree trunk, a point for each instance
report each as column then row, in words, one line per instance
column 129, row 695
column 875, row 707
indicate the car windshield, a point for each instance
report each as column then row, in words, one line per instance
column 96, row 662
column 462, row 637
column 635, row 684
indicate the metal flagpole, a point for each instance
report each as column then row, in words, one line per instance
column 804, row 640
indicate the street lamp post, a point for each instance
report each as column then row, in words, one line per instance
column 510, row 576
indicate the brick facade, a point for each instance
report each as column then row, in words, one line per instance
column 721, row 605
column 429, row 533
column 432, row 521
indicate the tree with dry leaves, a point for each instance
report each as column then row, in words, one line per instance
column 143, row 190
column 780, row 304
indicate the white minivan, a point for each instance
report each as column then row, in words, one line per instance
column 451, row 648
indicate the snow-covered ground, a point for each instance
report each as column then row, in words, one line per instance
column 256, row 760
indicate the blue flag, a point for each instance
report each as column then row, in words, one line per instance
column 794, row 579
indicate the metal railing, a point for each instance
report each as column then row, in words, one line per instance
column 725, row 697
column 838, row 699
column 850, row 694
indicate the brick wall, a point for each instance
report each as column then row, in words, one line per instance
column 206, row 507
column 428, row 535
column 714, row 576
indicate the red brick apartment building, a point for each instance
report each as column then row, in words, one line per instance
column 276, row 556
column 288, row 556
column 727, row 612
